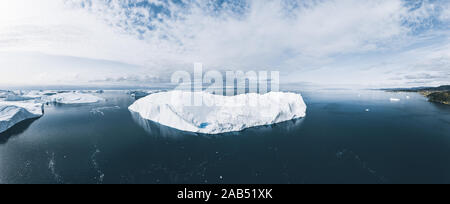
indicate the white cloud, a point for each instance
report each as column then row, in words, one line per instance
column 309, row 38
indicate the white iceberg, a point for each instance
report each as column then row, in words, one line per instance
column 394, row 99
column 12, row 113
column 229, row 114
column 73, row 98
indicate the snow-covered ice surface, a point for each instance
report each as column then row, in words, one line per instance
column 73, row 98
column 12, row 113
column 19, row 98
column 4, row 94
column 230, row 114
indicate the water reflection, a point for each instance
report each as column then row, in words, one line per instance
column 156, row 129
column 16, row 130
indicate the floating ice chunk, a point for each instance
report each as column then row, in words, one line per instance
column 394, row 99
column 101, row 110
column 367, row 110
column 408, row 97
column 219, row 114
column 12, row 113
column 18, row 98
column 73, row 98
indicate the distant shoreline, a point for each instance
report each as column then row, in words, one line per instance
column 439, row 94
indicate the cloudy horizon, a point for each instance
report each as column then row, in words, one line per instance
column 375, row 43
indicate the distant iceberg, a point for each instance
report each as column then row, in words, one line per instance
column 73, row 98
column 12, row 113
column 137, row 94
column 19, row 98
column 232, row 114
column 394, row 99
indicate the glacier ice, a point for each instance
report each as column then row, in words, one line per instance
column 219, row 114
column 12, row 113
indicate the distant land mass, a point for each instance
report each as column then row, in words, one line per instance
column 439, row 94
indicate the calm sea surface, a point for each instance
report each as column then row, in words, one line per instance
column 346, row 137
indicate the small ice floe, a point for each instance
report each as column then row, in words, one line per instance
column 100, row 173
column 394, row 99
column 52, row 168
column 367, row 110
column 408, row 97
column 101, row 110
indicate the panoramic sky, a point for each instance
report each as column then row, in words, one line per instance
column 371, row 43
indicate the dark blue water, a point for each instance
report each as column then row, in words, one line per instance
column 346, row 137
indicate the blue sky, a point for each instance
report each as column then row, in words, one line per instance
column 374, row 43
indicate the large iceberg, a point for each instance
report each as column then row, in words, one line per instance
column 73, row 98
column 12, row 113
column 219, row 114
